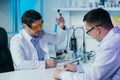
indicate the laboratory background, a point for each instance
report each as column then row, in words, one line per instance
column 72, row 10
column 77, row 43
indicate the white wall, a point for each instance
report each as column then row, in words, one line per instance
column 50, row 14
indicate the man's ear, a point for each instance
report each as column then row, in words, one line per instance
column 98, row 30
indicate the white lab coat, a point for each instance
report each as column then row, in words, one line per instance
column 24, row 53
column 106, row 64
column 117, row 75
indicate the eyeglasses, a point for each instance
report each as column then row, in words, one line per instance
column 37, row 27
column 92, row 29
column 89, row 30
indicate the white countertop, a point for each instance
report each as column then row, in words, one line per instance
column 43, row 74
column 46, row 74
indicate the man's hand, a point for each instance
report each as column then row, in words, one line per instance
column 56, row 74
column 70, row 67
column 51, row 63
column 60, row 21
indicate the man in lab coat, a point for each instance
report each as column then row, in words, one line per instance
column 107, row 62
column 29, row 48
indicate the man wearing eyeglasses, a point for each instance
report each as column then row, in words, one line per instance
column 107, row 63
column 29, row 48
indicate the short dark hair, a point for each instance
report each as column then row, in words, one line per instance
column 30, row 16
column 99, row 16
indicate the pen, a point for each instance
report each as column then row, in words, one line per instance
column 53, row 58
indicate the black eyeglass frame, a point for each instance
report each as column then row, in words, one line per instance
column 92, row 29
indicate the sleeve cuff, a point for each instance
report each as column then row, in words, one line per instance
column 65, row 75
column 63, row 29
column 42, row 65
column 79, row 69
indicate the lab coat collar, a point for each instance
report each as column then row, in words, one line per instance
column 26, row 35
column 110, row 33
column 29, row 37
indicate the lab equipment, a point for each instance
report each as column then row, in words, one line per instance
column 73, row 44
column 75, row 60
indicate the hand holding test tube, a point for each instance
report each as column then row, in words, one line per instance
column 60, row 20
